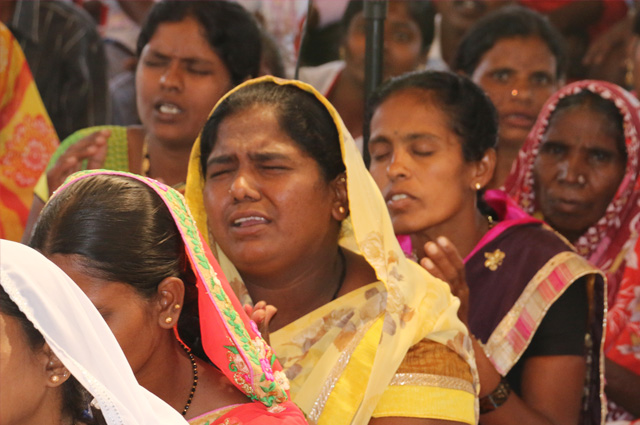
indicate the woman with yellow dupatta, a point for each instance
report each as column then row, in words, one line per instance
column 363, row 334
column 130, row 244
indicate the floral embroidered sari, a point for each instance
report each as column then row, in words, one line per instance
column 27, row 137
column 393, row 348
column 230, row 339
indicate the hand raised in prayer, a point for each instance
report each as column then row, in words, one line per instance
column 92, row 148
column 261, row 313
column 444, row 262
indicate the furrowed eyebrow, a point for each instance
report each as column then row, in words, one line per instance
column 221, row 159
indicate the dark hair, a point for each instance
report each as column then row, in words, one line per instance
column 508, row 22
column 300, row 114
column 605, row 107
column 75, row 399
column 636, row 24
column 422, row 12
column 471, row 114
column 230, row 30
column 121, row 231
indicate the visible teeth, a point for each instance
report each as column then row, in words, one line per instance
column 169, row 109
column 398, row 197
column 252, row 218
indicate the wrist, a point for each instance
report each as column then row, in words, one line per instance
column 496, row 398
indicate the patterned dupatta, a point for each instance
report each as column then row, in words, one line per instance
column 605, row 243
column 27, row 137
column 230, row 339
column 341, row 357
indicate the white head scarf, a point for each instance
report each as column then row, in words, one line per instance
column 79, row 337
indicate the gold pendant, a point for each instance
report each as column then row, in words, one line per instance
column 493, row 259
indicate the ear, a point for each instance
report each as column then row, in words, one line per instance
column 169, row 301
column 56, row 373
column 483, row 170
column 340, row 209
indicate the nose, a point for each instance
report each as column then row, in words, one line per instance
column 172, row 77
column 243, row 188
column 521, row 91
column 397, row 168
column 573, row 170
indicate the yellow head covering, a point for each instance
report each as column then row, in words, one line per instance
column 342, row 357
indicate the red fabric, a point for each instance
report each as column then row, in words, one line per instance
column 257, row 414
column 604, row 240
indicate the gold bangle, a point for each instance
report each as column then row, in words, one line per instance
column 492, row 401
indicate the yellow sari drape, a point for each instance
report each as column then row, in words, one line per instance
column 347, row 361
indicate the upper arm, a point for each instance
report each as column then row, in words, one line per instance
column 553, row 385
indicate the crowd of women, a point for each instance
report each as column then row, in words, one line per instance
column 234, row 260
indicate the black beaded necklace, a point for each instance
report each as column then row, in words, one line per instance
column 195, row 378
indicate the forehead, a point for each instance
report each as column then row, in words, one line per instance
column 517, row 52
column 254, row 127
column 186, row 37
column 583, row 119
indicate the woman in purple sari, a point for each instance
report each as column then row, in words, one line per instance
column 534, row 304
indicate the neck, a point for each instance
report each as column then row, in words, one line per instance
column 168, row 163
column 450, row 38
column 314, row 282
column 507, row 154
column 168, row 373
column 464, row 233
column 49, row 410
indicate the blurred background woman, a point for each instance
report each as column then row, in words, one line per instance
column 190, row 54
column 517, row 58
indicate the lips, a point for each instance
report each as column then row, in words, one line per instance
column 568, row 206
column 248, row 223
column 167, row 111
column 398, row 200
column 518, row 119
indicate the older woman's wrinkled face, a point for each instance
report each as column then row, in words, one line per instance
column 267, row 200
column 178, row 81
column 403, row 49
column 578, row 170
column 519, row 75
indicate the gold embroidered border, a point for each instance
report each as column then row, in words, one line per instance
column 429, row 380
column 498, row 348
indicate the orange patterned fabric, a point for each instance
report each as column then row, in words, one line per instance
column 27, row 137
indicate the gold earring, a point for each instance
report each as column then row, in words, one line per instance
column 177, row 306
column 168, row 320
column 478, row 186
column 54, row 379
column 341, row 209
column 514, row 93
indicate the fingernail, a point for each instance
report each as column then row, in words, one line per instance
column 431, row 248
column 442, row 240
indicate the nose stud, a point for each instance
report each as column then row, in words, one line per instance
column 514, row 93
column 582, row 179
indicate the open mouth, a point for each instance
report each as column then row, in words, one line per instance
column 168, row 108
column 249, row 221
